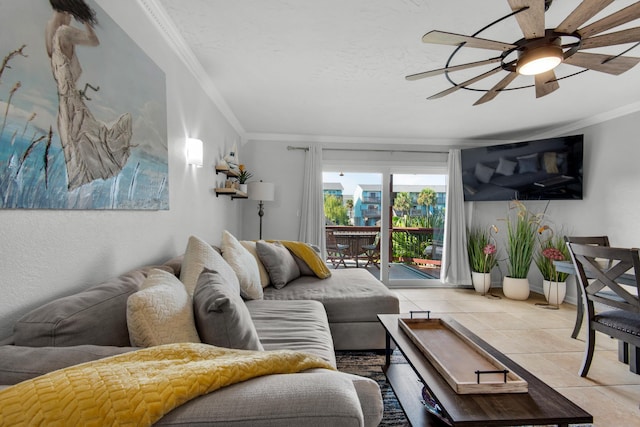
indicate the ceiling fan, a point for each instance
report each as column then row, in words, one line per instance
column 541, row 50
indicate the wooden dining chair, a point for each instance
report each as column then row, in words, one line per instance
column 583, row 240
column 621, row 320
column 336, row 252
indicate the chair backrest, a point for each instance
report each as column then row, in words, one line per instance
column 331, row 239
column 601, row 267
column 589, row 240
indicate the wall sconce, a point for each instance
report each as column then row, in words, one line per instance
column 194, row 152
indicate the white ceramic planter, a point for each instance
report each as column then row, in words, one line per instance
column 481, row 281
column 243, row 188
column 554, row 292
column 517, row 289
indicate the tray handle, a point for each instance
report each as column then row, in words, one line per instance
column 427, row 312
column 502, row 371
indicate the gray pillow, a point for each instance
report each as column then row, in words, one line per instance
column 279, row 263
column 222, row 318
column 97, row 316
column 528, row 163
column 506, row 167
column 483, row 173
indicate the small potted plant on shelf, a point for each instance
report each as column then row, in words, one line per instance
column 243, row 177
column 482, row 251
column 552, row 248
column 522, row 227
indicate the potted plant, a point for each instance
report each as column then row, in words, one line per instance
column 243, row 177
column 482, row 252
column 522, row 227
column 554, row 283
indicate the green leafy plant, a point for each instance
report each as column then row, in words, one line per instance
column 551, row 249
column 482, row 249
column 244, row 175
column 522, row 227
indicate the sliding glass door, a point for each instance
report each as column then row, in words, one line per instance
column 389, row 222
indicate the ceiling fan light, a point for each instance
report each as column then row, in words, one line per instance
column 539, row 60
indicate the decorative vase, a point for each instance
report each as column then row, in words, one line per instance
column 243, row 188
column 517, row 289
column 481, row 281
column 554, row 292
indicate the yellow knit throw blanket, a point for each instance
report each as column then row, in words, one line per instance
column 138, row 388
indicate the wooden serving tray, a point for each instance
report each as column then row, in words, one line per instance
column 458, row 359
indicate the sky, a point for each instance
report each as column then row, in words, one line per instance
column 350, row 180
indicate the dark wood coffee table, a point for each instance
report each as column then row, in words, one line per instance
column 540, row 405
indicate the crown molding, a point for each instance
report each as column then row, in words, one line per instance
column 589, row 121
column 167, row 28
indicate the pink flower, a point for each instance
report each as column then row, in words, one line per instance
column 489, row 249
column 553, row 254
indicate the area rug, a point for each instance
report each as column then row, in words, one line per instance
column 369, row 364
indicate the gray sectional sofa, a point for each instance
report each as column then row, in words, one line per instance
column 309, row 314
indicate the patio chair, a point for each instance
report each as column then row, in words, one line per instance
column 583, row 240
column 336, row 252
column 622, row 321
column 373, row 252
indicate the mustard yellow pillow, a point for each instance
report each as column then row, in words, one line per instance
column 307, row 254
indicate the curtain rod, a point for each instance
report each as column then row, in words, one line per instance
column 289, row 147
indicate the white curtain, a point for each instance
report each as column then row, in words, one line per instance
column 312, row 216
column 455, row 261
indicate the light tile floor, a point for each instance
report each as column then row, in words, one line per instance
column 540, row 340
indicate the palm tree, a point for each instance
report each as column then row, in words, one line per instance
column 428, row 198
column 349, row 205
column 402, row 203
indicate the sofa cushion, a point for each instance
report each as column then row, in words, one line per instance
column 243, row 264
column 264, row 274
column 506, row 167
column 349, row 295
column 222, row 319
column 279, row 263
column 23, row 363
column 293, row 325
column 161, row 312
column 483, row 173
column 97, row 315
column 200, row 254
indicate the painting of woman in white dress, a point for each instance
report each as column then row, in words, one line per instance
column 82, row 111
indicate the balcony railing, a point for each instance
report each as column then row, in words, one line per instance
column 411, row 245
column 372, row 200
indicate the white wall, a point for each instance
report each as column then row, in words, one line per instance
column 48, row 253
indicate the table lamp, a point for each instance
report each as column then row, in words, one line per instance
column 263, row 192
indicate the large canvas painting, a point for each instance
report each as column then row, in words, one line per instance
column 82, row 111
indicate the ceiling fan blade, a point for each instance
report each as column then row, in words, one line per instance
column 581, row 14
column 602, row 63
column 630, row 35
column 622, row 16
column 531, row 20
column 450, row 69
column 467, row 83
column 546, row 83
column 441, row 37
column 493, row 92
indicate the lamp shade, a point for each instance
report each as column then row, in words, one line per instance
column 258, row 190
column 194, row 152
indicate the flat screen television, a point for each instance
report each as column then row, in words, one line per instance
column 545, row 169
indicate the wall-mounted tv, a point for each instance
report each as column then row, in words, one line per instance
column 545, row 169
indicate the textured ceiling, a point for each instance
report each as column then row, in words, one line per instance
column 336, row 68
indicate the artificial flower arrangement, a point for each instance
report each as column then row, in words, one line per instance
column 552, row 248
column 482, row 249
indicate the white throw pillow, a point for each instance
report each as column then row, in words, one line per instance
column 161, row 313
column 200, row 254
column 264, row 274
column 244, row 264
